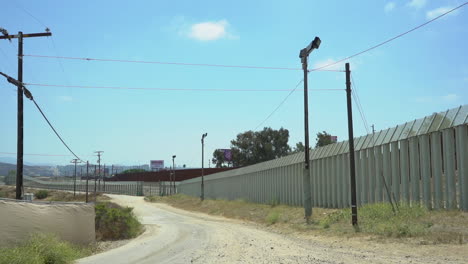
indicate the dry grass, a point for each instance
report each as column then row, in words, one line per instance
column 410, row 224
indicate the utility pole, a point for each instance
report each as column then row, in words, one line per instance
column 173, row 168
column 75, row 161
column 202, row 167
column 104, row 178
column 351, row 148
column 95, row 182
column 19, row 151
column 99, row 166
column 304, row 55
column 87, row 178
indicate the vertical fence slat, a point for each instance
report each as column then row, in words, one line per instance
column 449, row 169
column 358, row 177
column 386, row 171
column 414, row 171
column 404, row 170
column 340, row 181
column 436, row 161
column 378, row 174
column 425, row 170
column 365, row 176
column 371, row 174
column 395, row 163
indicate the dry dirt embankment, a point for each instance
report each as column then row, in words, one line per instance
column 176, row 236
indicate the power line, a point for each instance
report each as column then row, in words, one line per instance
column 391, row 39
column 176, row 63
column 357, row 100
column 364, row 51
column 43, row 154
column 55, row 131
column 27, row 12
column 173, row 89
column 37, row 154
column 282, row 102
column 364, row 121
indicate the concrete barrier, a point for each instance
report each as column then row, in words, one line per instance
column 73, row 222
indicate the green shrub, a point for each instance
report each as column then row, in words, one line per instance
column 116, row 222
column 42, row 249
column 273, row 217
column 41, row 194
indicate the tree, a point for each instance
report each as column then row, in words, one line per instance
column 323, row 139
column 298, row 148
column 253, row 147
column 219, row 159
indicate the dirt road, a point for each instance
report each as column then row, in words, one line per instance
column 177, row 236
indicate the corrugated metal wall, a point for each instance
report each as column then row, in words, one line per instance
column 424, row 161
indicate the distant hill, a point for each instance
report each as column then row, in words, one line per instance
column 12, row 160
column 29, row 170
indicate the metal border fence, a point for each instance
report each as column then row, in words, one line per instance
column 424, row 161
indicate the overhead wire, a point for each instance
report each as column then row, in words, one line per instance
column 393, row 38
column 321, row 68
column 280, row 104
column 357, row 100
column 19, row 6
column 175, row 63
column 55, row 131
column 172, row 89
column 361, row 112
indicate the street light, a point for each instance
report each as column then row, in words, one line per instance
column 202, row 166
column 173, row 168
column 303, row 55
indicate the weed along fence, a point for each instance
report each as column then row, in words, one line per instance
column 135, row 188
column 424, row 161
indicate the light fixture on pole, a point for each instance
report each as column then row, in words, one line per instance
column 304, row 55
column 202, row 197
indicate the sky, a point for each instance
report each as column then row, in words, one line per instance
column 423, row 72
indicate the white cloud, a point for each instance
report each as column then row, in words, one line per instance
column 65, row 98
column 211, row 30
column 417, row 3
column 450, row 98
column 431, row 14
column 337, row 66
column 389, row 7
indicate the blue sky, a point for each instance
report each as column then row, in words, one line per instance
column 423, row 72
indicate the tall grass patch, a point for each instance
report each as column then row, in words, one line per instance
column 43, row 249
column 380, row 219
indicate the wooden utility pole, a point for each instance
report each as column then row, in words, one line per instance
column 19, row 151
column 351, row 148
column 99, row 166
column 75, row 161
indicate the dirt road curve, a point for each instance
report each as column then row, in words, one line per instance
column 176, row 236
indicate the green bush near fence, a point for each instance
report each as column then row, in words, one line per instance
column 43, row 249
column 116, row 222
column 41, row 194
